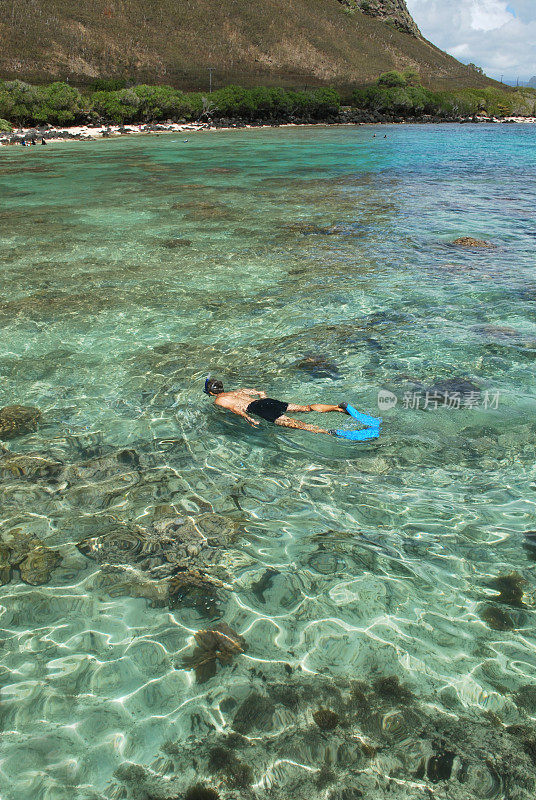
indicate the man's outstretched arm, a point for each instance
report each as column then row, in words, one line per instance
column 251, row 421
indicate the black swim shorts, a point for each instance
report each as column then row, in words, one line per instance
column 267, row 408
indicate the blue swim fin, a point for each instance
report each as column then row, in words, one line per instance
column 372, row 431
column 358, row 436
column 364, row 418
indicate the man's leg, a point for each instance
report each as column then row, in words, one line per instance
column 288, row 422
column 321, row 408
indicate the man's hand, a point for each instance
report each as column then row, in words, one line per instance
column 251, row 421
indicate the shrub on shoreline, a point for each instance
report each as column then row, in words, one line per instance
column 396, row 94
column 56, row 103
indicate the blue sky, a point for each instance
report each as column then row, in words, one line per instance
column 497, row 35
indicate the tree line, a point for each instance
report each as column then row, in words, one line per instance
column 395, row 94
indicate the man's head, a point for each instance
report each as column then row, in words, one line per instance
column 213, row 386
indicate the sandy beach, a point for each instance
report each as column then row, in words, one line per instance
column 94, row 132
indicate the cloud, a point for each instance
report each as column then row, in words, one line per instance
column 498, row 35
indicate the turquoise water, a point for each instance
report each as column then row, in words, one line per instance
column 314, row 263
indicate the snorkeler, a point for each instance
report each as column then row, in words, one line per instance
column 242, row 402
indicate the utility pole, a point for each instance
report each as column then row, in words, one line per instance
column 210, row 71
column 502, row 76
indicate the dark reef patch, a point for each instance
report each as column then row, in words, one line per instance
column 201, row 792
column 317, row 367
column 255, row 713
column 510, row 588
column 496, row 618
column 326, row 719
column 390, row 688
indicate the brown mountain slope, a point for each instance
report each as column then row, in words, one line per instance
column 244, row 41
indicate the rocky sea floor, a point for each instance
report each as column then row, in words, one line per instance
column 194, row 609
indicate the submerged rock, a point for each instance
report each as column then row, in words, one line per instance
column 439, row 767
column 529, row 545
column 18, row 420
column 5, row 565
column 390, row 688
column 37, row 567
column 237, row 774
column 467, row 241
column 496, row 331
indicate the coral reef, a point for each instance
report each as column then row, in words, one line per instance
column 386, row 747
column 29, row 465
column 193, row 588
column 236, row 773
column 168, row 544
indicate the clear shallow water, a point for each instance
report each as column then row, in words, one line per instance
column 130, row 270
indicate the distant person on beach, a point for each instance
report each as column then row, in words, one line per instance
column 43, row 140
column 242, row 402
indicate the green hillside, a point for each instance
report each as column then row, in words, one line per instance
column 268, row 42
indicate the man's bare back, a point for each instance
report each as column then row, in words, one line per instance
column 246, row 402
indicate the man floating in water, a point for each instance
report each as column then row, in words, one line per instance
column 242, row 402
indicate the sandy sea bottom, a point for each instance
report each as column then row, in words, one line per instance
column 267, row 613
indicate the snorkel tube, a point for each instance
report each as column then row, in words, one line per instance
column 206, row 391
